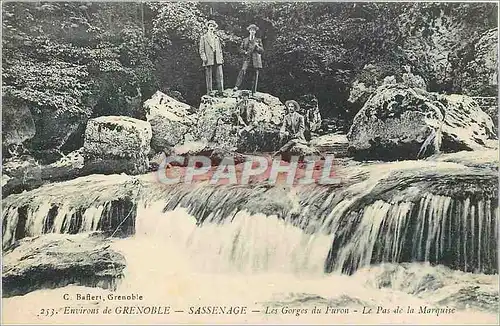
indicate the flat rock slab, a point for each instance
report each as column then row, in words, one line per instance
column 331, row 143
column 56, row 260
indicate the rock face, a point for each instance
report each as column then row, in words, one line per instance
column 170, row 121
column 38, row 128
column 17, row 125
column 58, row 129
column 487, row 58
column 399, row 122
column 57, row 260
column 216, row 120
column 116, row 144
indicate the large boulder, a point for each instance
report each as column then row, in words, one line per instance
column 216, row 122
column 268, row 108
column 216, row 117
column 57, row 260
column 399, row 122
column 115, row 144
column 171, row 121
column 372, row 76
column 466, row 126
column 18, row 125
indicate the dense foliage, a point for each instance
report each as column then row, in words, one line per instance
column 74, row 56
column 106, row 58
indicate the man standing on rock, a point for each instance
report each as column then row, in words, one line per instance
column 211, row 56
column 252, row 49
column 293, row 127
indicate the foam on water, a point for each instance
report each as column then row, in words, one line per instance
column 173, row 262
column 268, row 247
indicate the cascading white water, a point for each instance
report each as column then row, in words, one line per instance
column 436, row 229
column 37, row 220
column 246, row 243
column 211, row 245
column 255, row 227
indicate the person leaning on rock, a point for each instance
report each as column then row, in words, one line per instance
column 252, row 49
column 211, row 56
column 292, row 129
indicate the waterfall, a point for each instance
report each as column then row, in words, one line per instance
column 94, row 203
column 379, row 214
column 460, row 233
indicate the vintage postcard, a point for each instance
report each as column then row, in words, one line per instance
column 250, row 163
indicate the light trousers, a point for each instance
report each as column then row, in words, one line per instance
column 219, row 77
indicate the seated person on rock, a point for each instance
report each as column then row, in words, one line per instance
column 292, row 130
column 245, row 111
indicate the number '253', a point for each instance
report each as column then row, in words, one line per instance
column 47, row 312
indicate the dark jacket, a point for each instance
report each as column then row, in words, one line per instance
column 252, row 50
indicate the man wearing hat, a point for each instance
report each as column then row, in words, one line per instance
column 292, row 129
column 252, row 49
column 211, row 56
